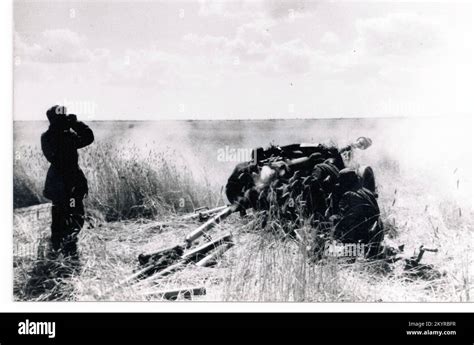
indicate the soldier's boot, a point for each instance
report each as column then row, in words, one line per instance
column 70, row 250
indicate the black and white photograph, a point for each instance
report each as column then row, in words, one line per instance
column 242, row 151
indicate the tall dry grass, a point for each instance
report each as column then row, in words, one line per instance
column 266, row 268
column 262, row 266
column 124, row 183
column 29, row 172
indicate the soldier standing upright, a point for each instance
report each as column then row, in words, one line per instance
column 66, row 185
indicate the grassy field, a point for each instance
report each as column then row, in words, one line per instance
column 144, row 174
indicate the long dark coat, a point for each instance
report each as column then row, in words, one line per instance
column 65, row 179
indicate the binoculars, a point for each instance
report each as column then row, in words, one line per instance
column 67, row 120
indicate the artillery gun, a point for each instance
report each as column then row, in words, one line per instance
column 265, row 164
column 279, row 163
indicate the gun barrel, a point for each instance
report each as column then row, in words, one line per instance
column 210, row 224
column 362, row 143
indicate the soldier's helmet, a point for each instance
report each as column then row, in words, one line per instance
column 56, row 113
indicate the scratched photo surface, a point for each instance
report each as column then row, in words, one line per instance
column 263, row 151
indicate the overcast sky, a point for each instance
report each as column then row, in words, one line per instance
column 243, row 59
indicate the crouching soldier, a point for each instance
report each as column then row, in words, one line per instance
column 239, row 183
column 66, row 185
column 356, row 214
